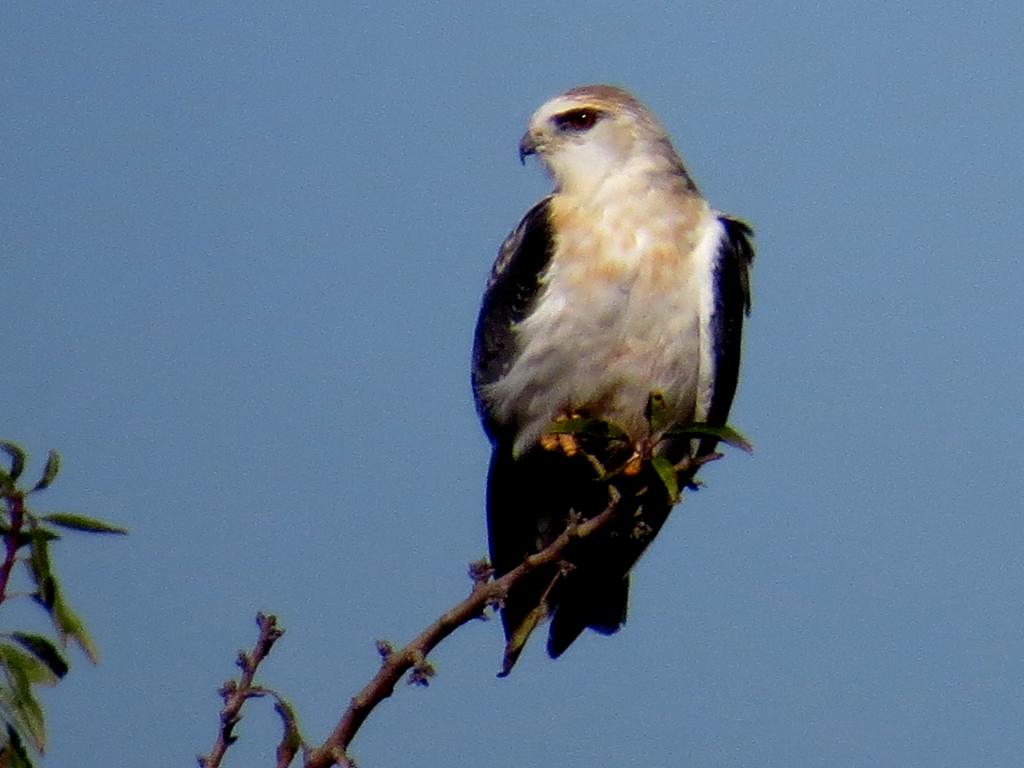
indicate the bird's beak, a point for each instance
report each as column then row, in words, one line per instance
column 527, row 146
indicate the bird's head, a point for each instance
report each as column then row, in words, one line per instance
column 594, row 131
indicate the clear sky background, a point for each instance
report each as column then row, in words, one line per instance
column 242, row 249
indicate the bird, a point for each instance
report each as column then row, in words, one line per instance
column 621, row 284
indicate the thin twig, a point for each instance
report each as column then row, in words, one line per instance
column 334, row 751
column 235, row 694
column 16, row 505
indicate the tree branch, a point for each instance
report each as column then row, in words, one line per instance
column 16, row 507
column 413, row 657
column 235, row 694
column 334, row 751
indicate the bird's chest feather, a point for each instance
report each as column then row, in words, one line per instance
column 620, row 314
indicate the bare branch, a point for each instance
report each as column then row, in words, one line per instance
column 235, row 694
column 395, row 663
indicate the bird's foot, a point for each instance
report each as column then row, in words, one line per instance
column 561, row 441
column 633, row 465
column 643, row 450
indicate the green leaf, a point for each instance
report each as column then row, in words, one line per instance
column 46, row 593
column 49, row 471
column 725, row 434
column 82, row 523
column 291, row 740
column 667, row 474
column 39, row 569
column 69, row 625
column 17, row 459
column 26, row 537
column 30, row 669
column 656, row 412
column 582, row 426
column 22, row 708
column 13, row 754
column 518, row 639
column 44, row 650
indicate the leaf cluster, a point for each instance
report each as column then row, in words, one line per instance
column 28, row 660
column 604, row 439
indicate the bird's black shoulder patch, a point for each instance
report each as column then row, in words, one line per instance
column 511, row 292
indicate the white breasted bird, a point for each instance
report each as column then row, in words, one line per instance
column 621, row 283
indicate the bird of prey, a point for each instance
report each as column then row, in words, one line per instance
column 621, row 283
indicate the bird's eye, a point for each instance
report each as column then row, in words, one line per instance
column 577, row 119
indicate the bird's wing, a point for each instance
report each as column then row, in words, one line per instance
column 525, row 495
column 511, row 292
column 732, row 304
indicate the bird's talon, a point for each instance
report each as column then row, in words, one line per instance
column 633, row 465
column 570, row 447
column 561, row 441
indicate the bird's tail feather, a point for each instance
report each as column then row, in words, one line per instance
column 529, row 501
column 599, row 604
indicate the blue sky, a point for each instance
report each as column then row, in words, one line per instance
column 242, row 253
